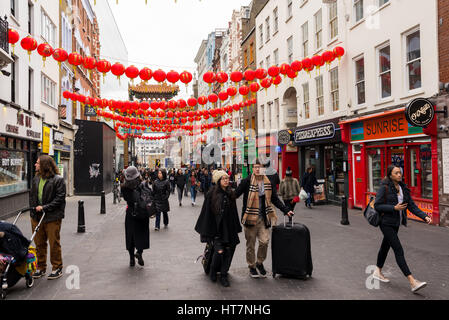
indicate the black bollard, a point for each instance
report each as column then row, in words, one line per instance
column 344, row 211
column 81, row 223
column 114, row 197
column 103, row 203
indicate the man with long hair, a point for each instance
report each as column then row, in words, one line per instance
column 47, row 195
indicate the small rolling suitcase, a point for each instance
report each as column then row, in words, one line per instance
column 291, row 251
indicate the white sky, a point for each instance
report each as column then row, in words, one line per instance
column 167, row 35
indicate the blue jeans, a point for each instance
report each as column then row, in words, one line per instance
column 309, row 200
column 193, row 193
column 158, row 219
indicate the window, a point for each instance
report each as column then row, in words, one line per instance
column 289, row 8
column 251, row 52
column 66, row 35
column 358, row 10
column 275, row 20
column 262, row 116
column 48, row 91
column 276, row 111
column 13, row 171
column 290, row 49
column 382, row 2
column 245, row 58
column 267, row 28
column 276, row 57
column 385, row 72
column 269, row 107
column 13, row 79
column 333, row 20
column 319, row 95
column 13, row 8
column 268, row 61
column 30, row 18
column 318, row 29
column 305, row 93
column 48, row 29
column 261, row 35
column 30, row 88
column 413, row 65
column 360, row 80
column 334, row 89
column 305, row 39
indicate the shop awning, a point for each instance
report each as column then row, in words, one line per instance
column 370, row 116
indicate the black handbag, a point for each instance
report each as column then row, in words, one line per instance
column 206, row 257
column 371, row 214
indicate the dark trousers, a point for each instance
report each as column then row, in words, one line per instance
column 391, row 239
column 131, row 253
column 180, row 190
column 158, row 219
column 221, row 262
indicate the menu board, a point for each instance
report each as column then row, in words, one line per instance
column 445, row 159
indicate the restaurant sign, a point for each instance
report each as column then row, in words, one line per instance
column 20, row 124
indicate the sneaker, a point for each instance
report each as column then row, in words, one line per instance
column 139, row 258
column 253, row 273
column 224, row 281
column 38, row 274
column 380, row 277
column 418, row 285
column 262, row 272
column 156, row 229
column 55, row 274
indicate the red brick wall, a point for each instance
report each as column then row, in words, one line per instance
column 443, row 39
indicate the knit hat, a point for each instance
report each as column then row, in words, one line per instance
column 131, row 173
column 289, row 171
column 217, row 175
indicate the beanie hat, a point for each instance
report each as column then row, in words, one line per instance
column 131, row 173
column 289, row 171
column 217, row 175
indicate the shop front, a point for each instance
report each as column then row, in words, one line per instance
column 20, row 134
column 320, row 146
column 379, row 140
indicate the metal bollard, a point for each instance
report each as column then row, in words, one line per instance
column 103, row 203
column 114, row 197
column 81, row 222
column 344, row 211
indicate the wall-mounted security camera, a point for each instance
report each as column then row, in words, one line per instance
column 444, row 128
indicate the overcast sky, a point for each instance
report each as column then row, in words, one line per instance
column 167, row 35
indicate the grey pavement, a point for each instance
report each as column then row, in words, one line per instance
column 341, row 255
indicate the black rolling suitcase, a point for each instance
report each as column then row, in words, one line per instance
column 291, row 251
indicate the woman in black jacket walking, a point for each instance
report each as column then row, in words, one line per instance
column 137, row 231
column 392, row 201
column 161, row 193
column 180, row 181
column 309, row 182
column 219, row 222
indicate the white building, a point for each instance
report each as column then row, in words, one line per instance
column 28, row 99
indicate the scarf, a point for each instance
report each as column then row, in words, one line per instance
column 252, row 210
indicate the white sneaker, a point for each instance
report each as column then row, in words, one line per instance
column 381, row 278
column 418, row 285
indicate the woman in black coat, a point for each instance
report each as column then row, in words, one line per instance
column 180, row 181
column 309, row 182
column 161, row 193
column 137, row 231
column 392, row 201
column 219, row 222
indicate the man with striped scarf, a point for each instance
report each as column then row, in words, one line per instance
column 258, row 215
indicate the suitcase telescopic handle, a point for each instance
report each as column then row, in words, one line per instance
column 290, row 219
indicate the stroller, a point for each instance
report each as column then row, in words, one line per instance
column 17, row 255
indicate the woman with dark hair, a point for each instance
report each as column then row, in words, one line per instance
column 161, row 193
column 137, row 231
column 180, row 181
column 219, row 222
column 48, row 192
column 193, row 186
column 309, row 182
column 392, row 201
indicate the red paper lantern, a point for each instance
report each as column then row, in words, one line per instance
column 163, row 105
column 172, row 76
column 213, row 98
column 191, row 102
column 277, row 80
column 132, row 72
column 75, row 59
column 144, row 105
column 266, row 83
column 231, row 91
column 317, row 61
column 172, row 104
column 13, row 37
column 273, row 71
column 104, row 67
column 249, row 75
column 89, row 63
column 261, row 73
column 145, row 74
column 254, row 87
column 45, row 50
column 307, row 63
column 223, row 95
column 296, row 66
column 159, row 75
column 236, row 76
column 222, row 77
column 209, row 77
column 29, row 44
column 244, row 90
column 339, row 52
column 186, row 77
column 118, row 70
column 292, row 74
column 182, row 103
column 154, row 105
column 285, row 68
column 202, row 100
column 60, row 55
column 328, row 56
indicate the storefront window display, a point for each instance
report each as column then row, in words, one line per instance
column 13, row 172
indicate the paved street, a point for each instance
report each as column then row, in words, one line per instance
column 340, row 256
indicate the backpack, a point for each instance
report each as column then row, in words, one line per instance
column 144, row 205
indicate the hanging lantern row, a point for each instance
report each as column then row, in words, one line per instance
column 145, row 74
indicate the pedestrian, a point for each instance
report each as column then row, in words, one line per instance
column 137, row 231
column 172, row 180
column 219, row 223
column 47, row 195
column 187, row 176
column 193, row 187
column 309, row 182
column 207, row 181
column 289, row 189
column 161, row 193
column 259, row 196
column 180, row 181
column 393, row 199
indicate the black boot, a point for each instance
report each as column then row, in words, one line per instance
column 139, row 258
column 132, row 261
column 224, row 280
column 213, row 276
